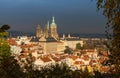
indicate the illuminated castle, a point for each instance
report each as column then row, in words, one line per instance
column 50, row 42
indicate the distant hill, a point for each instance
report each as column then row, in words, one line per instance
column 19, row 33
column 81, row 35
column 86, row 35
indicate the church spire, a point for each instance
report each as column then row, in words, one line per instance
column 38, row 27
column 63, row 36
column 38, row 31
column 69, row 36
column 53, row 19
column 48, row 25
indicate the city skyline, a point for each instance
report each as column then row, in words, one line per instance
column 78, row 16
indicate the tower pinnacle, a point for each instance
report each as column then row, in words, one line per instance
column 48, row 25
column 53, row 20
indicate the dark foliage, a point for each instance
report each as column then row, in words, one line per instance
column 10, row 69
column 111, row 10
column 68, row 50
column 4, row 27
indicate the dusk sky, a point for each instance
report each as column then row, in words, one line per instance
column 71, row 16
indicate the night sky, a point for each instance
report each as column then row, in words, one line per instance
column 71, row 16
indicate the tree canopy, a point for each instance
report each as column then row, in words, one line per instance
column 8, row 65
column 4, row 27
column 111, row 10
column 4, row 46
column 78, row 46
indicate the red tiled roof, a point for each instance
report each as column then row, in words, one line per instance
column 101, row 59
column 56, row 59
column 30, row 51
column 105, row 69
column 45, row 59
column 92, row 61
column 105, row 53
column 28, row 45
column 79, row 62
column 85, row 57
column 62, row 57
column 73, row 57
column 12, row 41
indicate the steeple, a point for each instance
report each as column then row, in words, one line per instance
column 38, row 26
column 63, row 36
column 69, row 36
column 48, row 25
column 53, row 24
column 53, row 28
column 53, row 19
column 38, row 31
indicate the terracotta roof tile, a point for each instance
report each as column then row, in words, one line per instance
column 45, row 59
column 56, row 59
column 101, row 60
column 12, row 41
column 79, row 63
column 85, row 57
column 105, row 69
column 73, row 57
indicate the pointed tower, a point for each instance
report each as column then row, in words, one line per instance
column 38, row 31
column 69, row 36
column 48, row 25
column 53, row 29
column 63, row 36
column 46, row 30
